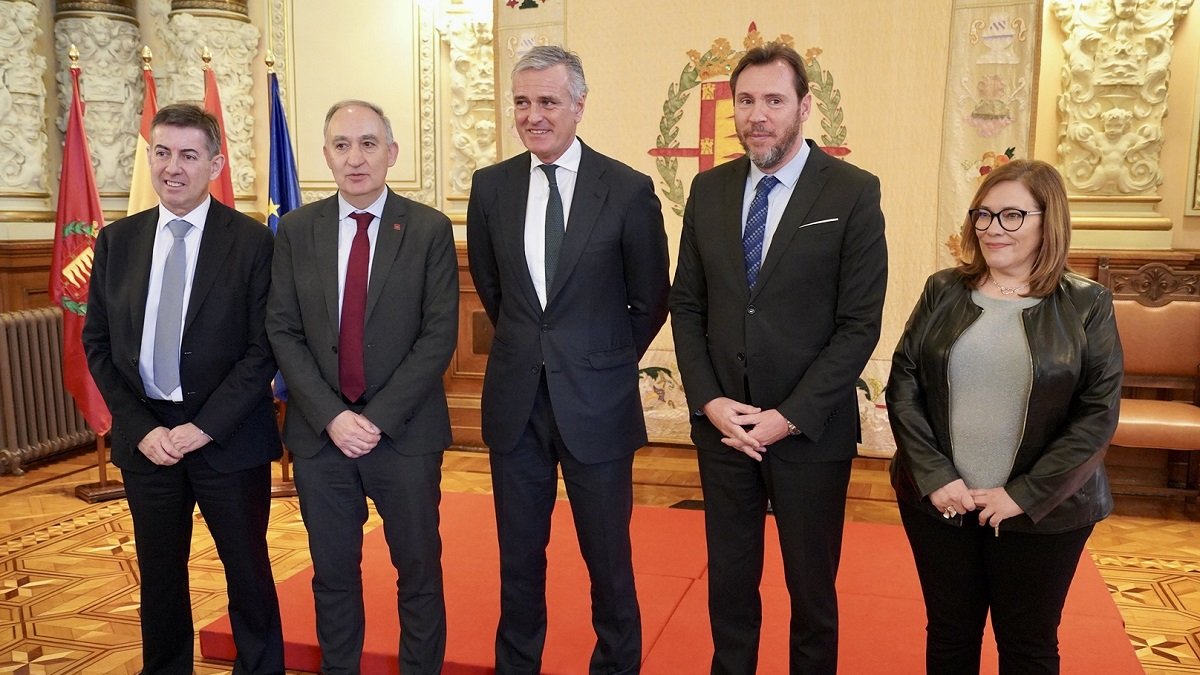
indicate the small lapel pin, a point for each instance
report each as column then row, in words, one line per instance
column 397, row 226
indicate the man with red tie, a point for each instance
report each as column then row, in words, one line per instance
column 363, row 318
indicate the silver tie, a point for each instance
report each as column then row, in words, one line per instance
column 170, row 311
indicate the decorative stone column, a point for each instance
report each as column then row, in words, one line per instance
column 223, row 26
column 1114, row 97
column 472, row 130
column 23, row 139
column 106, row 34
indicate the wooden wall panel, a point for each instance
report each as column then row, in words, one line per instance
column 24, row 274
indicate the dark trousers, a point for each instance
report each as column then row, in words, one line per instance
column 967, row 571
column 525, row 486
column 406, row 491
column 236, row 507
column 809, row 502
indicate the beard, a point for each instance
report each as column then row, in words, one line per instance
column 770, row 158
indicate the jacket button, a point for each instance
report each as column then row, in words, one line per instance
column 545, row 328
column 750, row 309
column 533, row 369
column 741, row 356
column 334, row 348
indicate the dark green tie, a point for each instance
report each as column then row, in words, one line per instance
column 554, row 224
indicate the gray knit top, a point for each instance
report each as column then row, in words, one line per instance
column 991, row 372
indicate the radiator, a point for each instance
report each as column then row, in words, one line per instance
column 38, row 418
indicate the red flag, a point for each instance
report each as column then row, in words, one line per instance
column 78, row 222
column 222, row 186
column 141, row 187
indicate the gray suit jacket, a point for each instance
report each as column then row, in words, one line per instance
column 411, row 324
column 607, row 302
column 798, row 342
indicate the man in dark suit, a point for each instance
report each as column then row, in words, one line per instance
column 775, row 310
column 363, row 317
column 176, row 343
column 574, row 309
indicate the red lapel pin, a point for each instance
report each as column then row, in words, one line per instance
column 397, row 226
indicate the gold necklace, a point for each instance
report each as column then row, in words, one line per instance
column 1005, row 290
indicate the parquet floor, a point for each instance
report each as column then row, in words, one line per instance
column 68, row 599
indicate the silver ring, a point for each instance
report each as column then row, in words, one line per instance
column 949, row 513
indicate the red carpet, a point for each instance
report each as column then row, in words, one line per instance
column 882, row 617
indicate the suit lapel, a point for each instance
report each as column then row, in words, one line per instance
column 590, row 193
column 324, row 241
column 215, row 244
column 387, row 248
column 141, row 257
column 730, row 219
column 513, row 198
column 808, row 188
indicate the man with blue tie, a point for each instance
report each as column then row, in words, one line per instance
column 176, row 343
column 775, row 310
column 569, row 256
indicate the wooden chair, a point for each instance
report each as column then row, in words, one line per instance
column 1158, row 316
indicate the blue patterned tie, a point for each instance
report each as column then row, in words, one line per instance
column 169, row 322
column 756, row 228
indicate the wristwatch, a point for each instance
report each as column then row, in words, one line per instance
column 792, row 430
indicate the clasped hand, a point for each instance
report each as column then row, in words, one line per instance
column 746, row 428
column 994, row 504
column 166, row 447
column 353, row 434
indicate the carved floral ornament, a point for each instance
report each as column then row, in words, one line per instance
column 1155, row 284
column 1114, row 83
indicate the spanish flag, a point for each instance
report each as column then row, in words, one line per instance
column 221, row 187
column 141, row 189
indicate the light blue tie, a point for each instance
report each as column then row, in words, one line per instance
column 756, row 228
column 170, row 311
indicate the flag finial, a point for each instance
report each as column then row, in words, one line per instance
column 147, row 56
column 206, row 57
column 270, row 61
column 73, row 54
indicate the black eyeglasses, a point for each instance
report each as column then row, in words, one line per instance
column 1011, row 219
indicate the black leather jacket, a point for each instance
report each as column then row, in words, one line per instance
column 1058, row 476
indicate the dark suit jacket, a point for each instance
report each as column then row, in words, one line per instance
column 608, row 301
column 225, row 361
column 801, row 338
column 411, row 324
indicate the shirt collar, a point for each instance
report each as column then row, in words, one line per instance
column 375, row 209
column 196, row 217
column 787, row 174
column 569, row 159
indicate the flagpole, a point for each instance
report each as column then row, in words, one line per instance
column 105, row 489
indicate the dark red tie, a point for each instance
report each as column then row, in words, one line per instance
column 351, row 379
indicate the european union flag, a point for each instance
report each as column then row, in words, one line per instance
column 283, row 186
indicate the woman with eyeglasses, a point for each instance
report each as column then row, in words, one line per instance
column 1003, row 397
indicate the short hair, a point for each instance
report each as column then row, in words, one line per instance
column 190, row 116
column 548, row 56
column 1046, row 185
column 769, row 53
column 352, row 102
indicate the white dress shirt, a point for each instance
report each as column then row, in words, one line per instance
column 163, row 240
column 535, row 210
column 777, row 202
column 347, row 228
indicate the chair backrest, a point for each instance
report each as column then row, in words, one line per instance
column 1158, row 316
